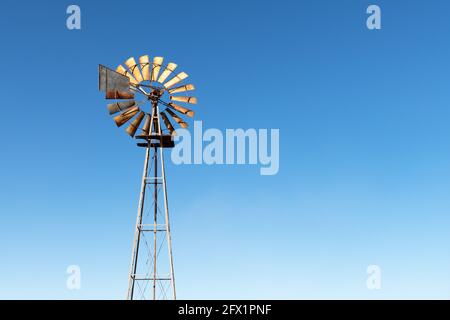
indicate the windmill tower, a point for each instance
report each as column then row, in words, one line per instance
column 151, row 271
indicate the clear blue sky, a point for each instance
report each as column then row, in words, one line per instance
column 364, row 153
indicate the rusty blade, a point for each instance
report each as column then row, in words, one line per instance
column 184, row 88
column 181, row 109
column 134, row 125
column 191, row 100
column 169, row 69
column 179, row 77
column 120, row 69
column 146, row 127
column 157, row 62
column 120, row 106
column 134, row 68
column 119, row 95
column 166, row 121
column 180, row 121
column 144, row 61
column 126, row 115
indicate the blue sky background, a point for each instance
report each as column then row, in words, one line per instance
column 364, row 153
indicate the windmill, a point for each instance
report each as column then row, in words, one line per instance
column 151, row 271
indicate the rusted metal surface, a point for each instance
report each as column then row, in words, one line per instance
column 120, row 106
column 184, row 88
column 180, row 121
column 122, row 118
column 191, row 100
column 134, row 125
column 110, row 80
column 181, row 109
column 119, row 95
column 146, row 127
column 144, row 61
column 166, row 73
column 157, row 62
column 167, row 123
column 121, row 69
column 178, row 78
column 134, row 68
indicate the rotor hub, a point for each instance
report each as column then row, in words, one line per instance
column 155, row 95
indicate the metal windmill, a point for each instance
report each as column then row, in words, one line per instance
column 151, row 271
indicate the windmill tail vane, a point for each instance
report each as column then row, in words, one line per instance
column 140, row 88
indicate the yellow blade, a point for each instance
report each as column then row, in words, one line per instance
column 169, row 69
column 134, row 68
column 120, row 106
column 180, row 121
column 146, row 127
column 183, row 110
column 169, row 125
column 144, row 61
column 126, row 115
column 157, row 62
column 187, row 87
column 179, row 77
column 120, row 69
column 119, row 95
column 134, row 125
column 191, row 100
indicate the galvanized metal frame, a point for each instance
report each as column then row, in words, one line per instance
column 152, row 179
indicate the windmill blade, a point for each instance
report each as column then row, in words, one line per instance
column 191, row 100
column 169, row 69
column 110, row 80
column 120, row 106
column 146, row 127
column 184, row 88
column 134, row 125
column 120, row 69
column 134, row 68
column 181, row 109
column 144, row 61
column 122, row 118
column 119, row 95
column 157, row 62
column 180, row 121
column 166, row 121
column 179, row 77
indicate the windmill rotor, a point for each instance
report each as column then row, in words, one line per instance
column 158, row 83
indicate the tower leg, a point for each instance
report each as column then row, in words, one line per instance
column 137, row 233
column 168, row 236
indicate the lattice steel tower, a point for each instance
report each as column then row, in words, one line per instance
column 151, row 271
